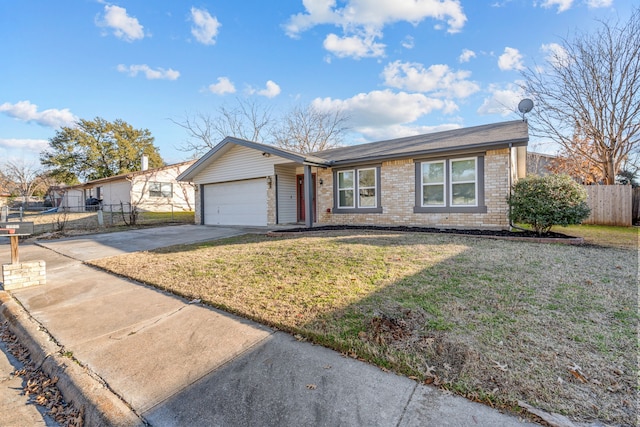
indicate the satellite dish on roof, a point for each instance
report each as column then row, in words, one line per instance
column 525, row 106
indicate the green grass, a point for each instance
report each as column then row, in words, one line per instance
column 603, row 235
column 498, row 321
column 178, row 216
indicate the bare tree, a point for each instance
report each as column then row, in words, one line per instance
column 247, row 120
column 23, row 179
column 590, row 90
column 308, row 129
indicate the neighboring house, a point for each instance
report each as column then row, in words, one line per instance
column 155, row 190
column 455, row 179
column 4, row 198
column 54, row 196
column 539, row 163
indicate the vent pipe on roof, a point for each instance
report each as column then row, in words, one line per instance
column 145, row 162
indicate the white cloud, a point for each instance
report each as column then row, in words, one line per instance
column 563, row 5
column 355, row 46
column 362, row 21
column 384, row 108
column 271, row 90
column 438, row 79
column 36, row 145
column 408, row 42
column 503, row 100
column 466, row 55
column 556, row 54
column 511, row 59
column 594, row 4
column 375, row 14
column 223, row 86
column 205, row 27
column 124, row 27
column 28, row 112
column 150, row 74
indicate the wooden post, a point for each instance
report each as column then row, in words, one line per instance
column 15, row 258
column 308, row 197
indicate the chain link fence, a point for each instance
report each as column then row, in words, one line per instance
column 51, row 220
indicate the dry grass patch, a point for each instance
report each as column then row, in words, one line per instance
column 616, row 237
column 498, row 321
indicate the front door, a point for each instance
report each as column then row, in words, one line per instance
column 301, row 203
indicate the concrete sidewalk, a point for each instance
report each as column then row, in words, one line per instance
column 152, row 358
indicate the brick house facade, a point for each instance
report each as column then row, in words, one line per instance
column 452, row 179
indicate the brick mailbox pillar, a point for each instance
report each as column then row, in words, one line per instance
column 23, row 274
column 20, row 274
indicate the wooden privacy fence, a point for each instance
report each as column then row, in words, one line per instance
column 610, row 205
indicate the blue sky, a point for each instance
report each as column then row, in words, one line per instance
column 396, row 67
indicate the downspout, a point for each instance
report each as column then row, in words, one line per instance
column 511, row 224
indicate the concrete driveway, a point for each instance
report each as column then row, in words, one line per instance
column 94, row 246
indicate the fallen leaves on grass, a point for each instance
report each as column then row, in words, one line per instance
column 576, row 371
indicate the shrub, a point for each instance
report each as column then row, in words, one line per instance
column 545, row 201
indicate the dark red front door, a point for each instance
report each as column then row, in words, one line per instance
column 301, row 203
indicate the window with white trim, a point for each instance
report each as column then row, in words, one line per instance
column 367, row 188
column 450, row 185
column 433, row 183
column 346, row 189
column 464, row 191
column 160, row 189
column 357, row 190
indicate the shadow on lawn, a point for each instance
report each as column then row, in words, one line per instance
column 496, row 321
column 501, row 322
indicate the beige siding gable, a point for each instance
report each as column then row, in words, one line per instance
column 239, row 163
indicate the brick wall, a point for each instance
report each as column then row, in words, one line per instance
column 271, row 201
column 398, row 198
column 21, row 275
column 197, row 206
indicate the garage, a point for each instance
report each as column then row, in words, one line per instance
column 236, row 203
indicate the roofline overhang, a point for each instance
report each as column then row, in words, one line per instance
column 264, row 148
column 435, row 152
column 123, row 176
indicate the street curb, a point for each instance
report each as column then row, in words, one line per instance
column 101, row 406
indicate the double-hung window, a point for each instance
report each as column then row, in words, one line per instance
column 357, row 190
column 160, row 189
column 433, row 185
column 450, row 185
column 464, row 186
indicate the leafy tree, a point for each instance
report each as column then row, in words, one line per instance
column 545, row 201
column 590, row 88
column 628, row 177
column 581, row 168
column 95, row 149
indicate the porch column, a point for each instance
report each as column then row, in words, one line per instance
column 308, row 197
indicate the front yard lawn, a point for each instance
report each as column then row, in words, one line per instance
column 496, row 321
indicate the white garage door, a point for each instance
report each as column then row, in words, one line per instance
column 236, row 203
